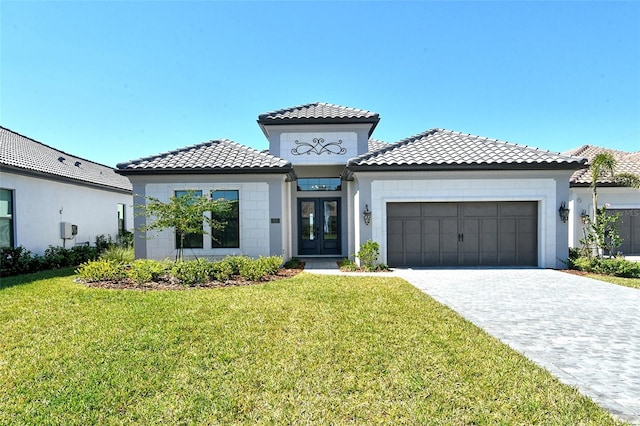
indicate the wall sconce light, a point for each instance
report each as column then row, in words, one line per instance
column 366, row 214
column 563, row 211
column 585, row 217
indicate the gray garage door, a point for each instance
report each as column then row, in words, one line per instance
column 629, row 229
column 462, row 234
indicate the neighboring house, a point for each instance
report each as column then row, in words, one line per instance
column 618, row 199
column 51, row 198
column 324, row 187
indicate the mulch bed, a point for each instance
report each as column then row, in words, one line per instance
column 173, row 284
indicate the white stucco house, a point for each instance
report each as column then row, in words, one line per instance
column 617, row 198
column 324, row 187
column 51, row 198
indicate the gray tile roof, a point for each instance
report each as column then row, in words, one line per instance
column 318, row 110
column 376, row 145
column 24, row 155
column 216, row 156
column 627, row 162
column 439, row 149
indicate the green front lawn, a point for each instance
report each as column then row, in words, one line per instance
column 309, row 349
column 627, row 282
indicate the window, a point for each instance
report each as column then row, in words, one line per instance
column 6, row 218
column 229, row 235
column 121, row 225
column 319, row 184
column 190, row 240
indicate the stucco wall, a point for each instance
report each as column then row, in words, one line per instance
column 547, row 188
column 41, row 204
column 259, row 203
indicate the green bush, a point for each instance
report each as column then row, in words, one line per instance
column 368, row 256
column 348, row 265
column 101, row 270
column 192, row 271
column 617, row 266
column 222, row 270
column 270, row 265
column 145, row 270
column 118, row 254
column 237, row 262
column 15, row 261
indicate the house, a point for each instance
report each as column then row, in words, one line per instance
column 51, row 198
column 617, row 198
column 325, row 186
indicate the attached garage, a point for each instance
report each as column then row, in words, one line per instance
column 462, row 234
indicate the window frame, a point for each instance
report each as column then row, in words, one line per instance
column 9, row 217
column 188, row 237
column 220, row 238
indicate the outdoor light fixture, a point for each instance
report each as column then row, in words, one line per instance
column 563, row 211
column 366, row 214
column 585, row 217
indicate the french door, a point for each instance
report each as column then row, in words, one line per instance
column 319, row 226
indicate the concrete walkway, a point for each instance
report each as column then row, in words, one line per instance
column 585, row 332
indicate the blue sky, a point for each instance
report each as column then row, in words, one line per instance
column 119, row 80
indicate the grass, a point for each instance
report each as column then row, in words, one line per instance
column 627, row 282
column 309, row 349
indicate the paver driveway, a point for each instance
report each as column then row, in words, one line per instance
column 585, row 332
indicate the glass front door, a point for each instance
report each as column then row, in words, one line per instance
column 319, row 226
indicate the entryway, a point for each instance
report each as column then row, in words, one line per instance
column 463, row 234
column 319, row 226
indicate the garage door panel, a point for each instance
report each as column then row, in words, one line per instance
column 518, row 208
column 480, row 209
column 439, row 210
column 629, row 229
column 404, row 209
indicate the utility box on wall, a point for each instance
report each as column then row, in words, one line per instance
column 68, row 231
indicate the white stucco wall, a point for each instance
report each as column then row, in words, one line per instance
column 254, row 220
column 41, row 204
column 504, row 187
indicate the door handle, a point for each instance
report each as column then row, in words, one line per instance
column 461, row 238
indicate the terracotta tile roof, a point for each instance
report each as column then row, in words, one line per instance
column 317, row 110
column 22, row 154
column 627, row 162
column 216, row 156
column 439, row 149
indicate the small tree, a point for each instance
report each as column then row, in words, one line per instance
column 602, row 234
column 186, row 214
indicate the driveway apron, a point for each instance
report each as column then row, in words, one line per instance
column 585, row 332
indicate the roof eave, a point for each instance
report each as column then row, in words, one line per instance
column 63, row 179
column 288, row 121
column 207, row 171
column 458, row 167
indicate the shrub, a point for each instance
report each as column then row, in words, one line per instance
column 236, row 263
column 348, row 265
column 118, row 254
column 59, row 257
column 368, row 255
column 221, row 271
column 617, row 266
column 101, row 270
column 192, row 271
column 270, row 265
column 293, row 263
column 145, row 270
column 15, row 261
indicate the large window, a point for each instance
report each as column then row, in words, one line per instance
column 6, row 218
column 190, row 240
column 229, row 235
